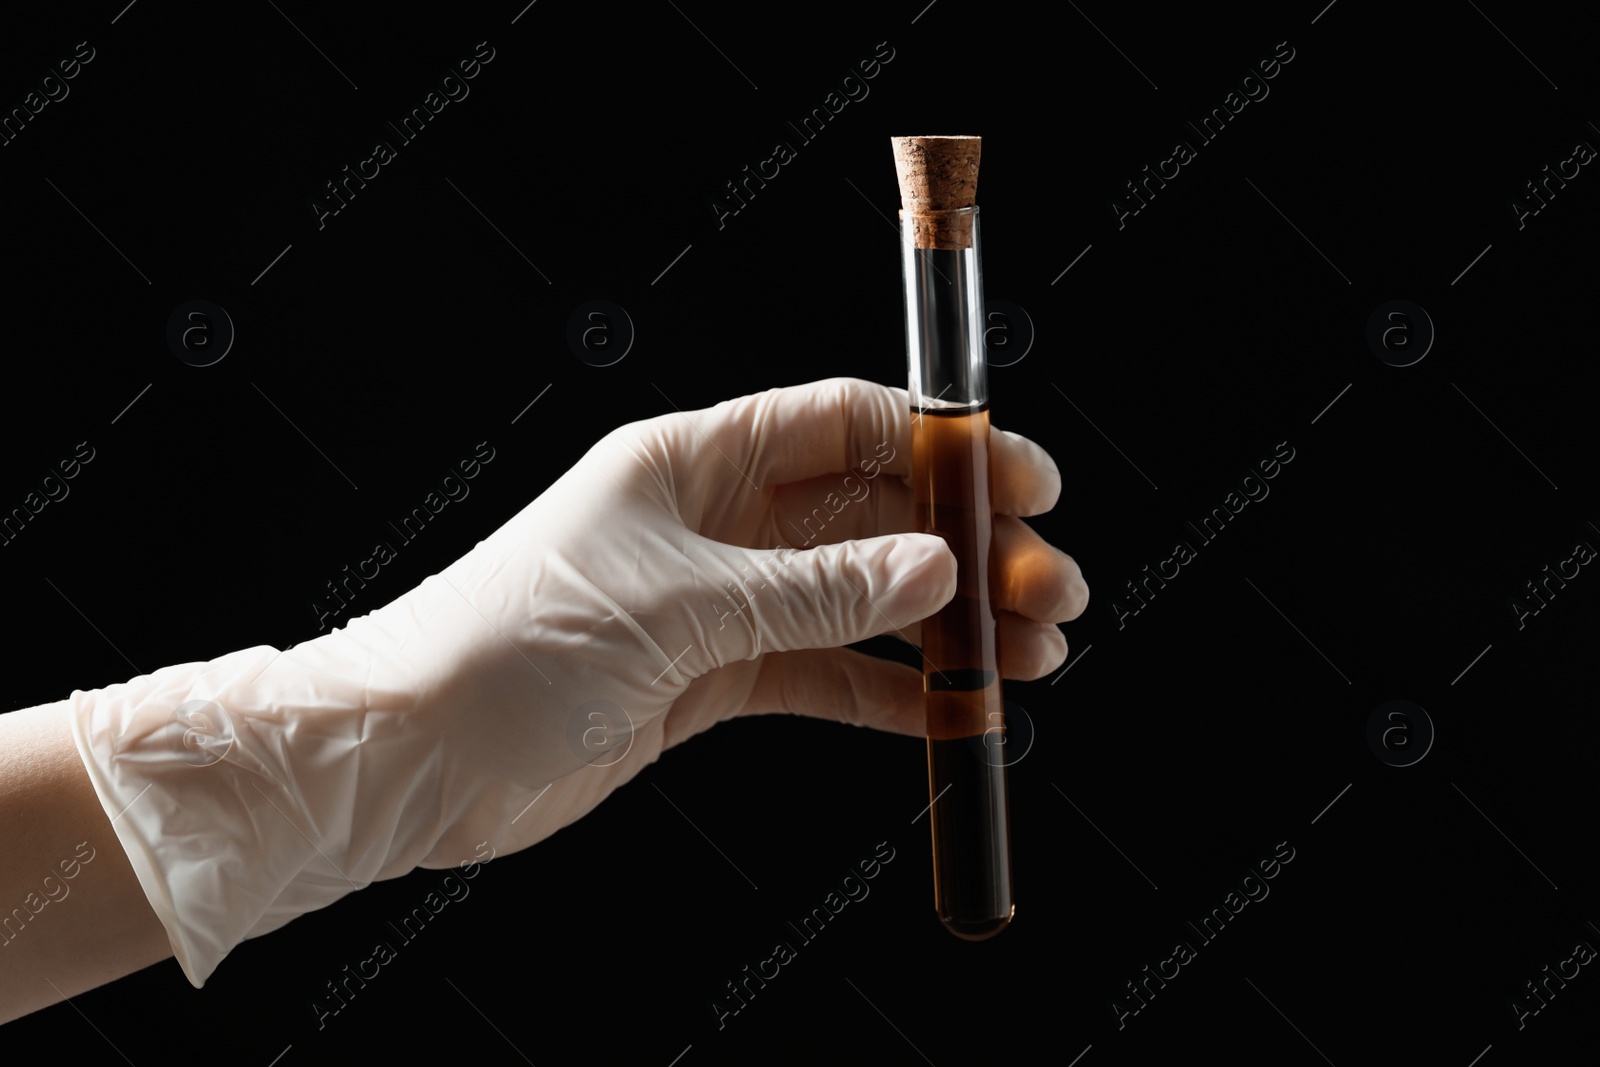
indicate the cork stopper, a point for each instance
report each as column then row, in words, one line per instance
column 938, row 177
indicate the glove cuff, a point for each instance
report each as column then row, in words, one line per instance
column 251, row 789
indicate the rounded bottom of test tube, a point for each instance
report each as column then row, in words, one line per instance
column 979, row 929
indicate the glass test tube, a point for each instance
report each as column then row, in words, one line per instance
column 949, row 395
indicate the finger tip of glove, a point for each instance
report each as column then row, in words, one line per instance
column 924, row 562
column 1040, row 490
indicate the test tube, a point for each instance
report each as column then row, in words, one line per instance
column 941, row 267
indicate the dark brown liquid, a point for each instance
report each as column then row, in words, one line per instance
column 961, row 680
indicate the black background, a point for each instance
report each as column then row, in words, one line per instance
column 1224, row 318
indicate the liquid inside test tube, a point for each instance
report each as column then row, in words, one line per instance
column 961, row 678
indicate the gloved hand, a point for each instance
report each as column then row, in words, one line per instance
column 690, row 568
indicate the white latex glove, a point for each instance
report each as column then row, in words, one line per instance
column 505, row 697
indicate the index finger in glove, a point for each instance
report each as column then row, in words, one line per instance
column 831, row 427
column 845, row 506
